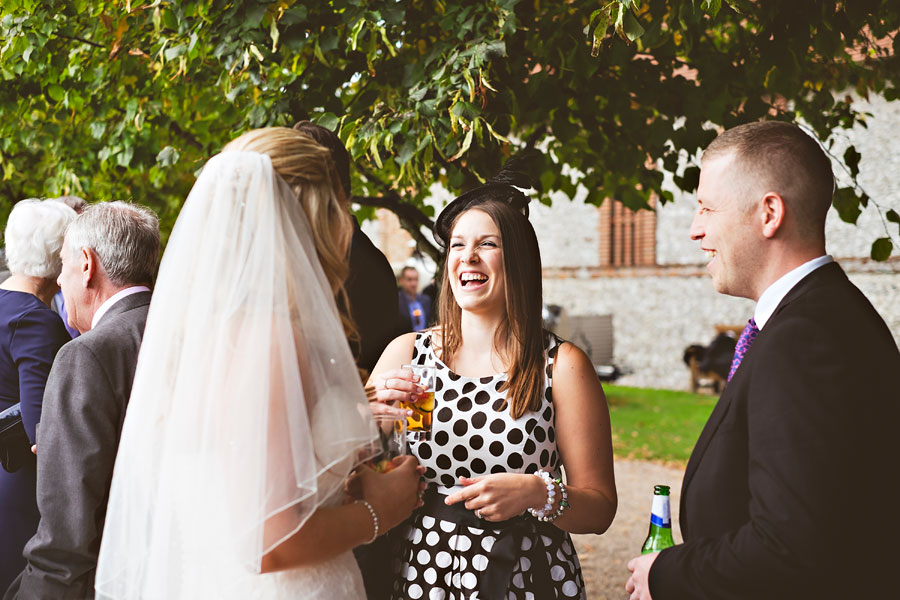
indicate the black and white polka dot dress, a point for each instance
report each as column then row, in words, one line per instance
column 446, row 553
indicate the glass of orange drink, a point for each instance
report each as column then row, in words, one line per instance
column 418, row 424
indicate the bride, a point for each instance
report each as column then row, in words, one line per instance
column 247, row 414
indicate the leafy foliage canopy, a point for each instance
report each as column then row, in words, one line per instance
column 111, row 99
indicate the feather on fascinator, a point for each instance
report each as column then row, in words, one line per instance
column 518, row 172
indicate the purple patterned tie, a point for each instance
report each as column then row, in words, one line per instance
column 743, row 344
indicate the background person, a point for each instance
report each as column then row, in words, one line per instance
column 30, row 336
column 370, row 281
column 230, row 477
column 109, row 261
column 511, row 401
column 415, row 308
column 784, row 495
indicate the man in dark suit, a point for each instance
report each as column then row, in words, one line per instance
column 790, row 488
column 414, row 308
column 110, row 256
column 370, row 282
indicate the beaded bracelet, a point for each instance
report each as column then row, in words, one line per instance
column 374, row 519
column 563, row 502
column 541, row 514
column 544, row 513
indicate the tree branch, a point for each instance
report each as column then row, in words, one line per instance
column 411, row 218
column 78, row 39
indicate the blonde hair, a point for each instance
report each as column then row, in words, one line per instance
column 309, row 169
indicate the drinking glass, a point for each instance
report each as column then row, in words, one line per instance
column 418, row 424
column 390, row 444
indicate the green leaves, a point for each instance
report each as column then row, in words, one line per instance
column 893, row 217
column 328, row 121
column 711, row 6
column 121, row 104
column 851, row 159
column 602, row 17
column 56, row 92
column 630, row 27
column 846, row 202
column 167, row 157
column 881, row 249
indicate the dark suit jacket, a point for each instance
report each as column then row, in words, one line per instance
column 84, row 407
column 793, row 483
column 372, row 292
column 403, row 310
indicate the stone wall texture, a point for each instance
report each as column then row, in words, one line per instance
column 657, row 315
column 657, row 312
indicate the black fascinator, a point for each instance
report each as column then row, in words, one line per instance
column 518, row 172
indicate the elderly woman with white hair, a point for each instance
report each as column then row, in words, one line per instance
column 30, row 335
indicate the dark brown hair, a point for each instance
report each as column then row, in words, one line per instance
column 520, row 337
column 781, row 158
column 329, row 139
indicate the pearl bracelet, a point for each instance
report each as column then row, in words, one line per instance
column 374, row 519
column 544, row 513
column 541, row 514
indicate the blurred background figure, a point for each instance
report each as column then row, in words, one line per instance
column 30, row 336
column 415, row 308
column 78, row 204
column 370, row 283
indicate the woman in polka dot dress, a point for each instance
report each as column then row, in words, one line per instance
column 513, row 407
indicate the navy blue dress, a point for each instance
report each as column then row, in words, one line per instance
column 30, row 336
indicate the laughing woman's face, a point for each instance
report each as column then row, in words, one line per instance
column 475, row 263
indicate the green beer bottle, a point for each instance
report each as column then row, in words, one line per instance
column 660, row 535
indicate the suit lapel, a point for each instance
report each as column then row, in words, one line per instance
column 822, row 275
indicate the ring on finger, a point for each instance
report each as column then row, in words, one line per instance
column 478, row 513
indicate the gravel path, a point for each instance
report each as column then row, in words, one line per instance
column 603, row 558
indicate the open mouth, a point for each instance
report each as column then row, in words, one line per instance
column 710, row 254
column 472, row 280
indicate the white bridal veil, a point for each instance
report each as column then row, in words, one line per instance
column 247, row 412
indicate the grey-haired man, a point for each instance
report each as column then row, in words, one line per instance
column 110, row 258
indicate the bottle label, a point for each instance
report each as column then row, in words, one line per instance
column 659, row 512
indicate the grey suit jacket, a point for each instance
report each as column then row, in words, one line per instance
column 84, row 406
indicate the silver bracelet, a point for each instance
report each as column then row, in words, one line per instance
column 374, row 519
column 541, row 514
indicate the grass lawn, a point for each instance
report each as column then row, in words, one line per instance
column 657, row 425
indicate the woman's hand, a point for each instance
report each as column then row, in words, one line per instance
column 396, row 385
column 500, row 496
column 393, row 495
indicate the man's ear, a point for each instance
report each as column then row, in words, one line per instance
column 88, row 266
column 772, row 213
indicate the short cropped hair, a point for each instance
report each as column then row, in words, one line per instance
column 329, row 139
column 34, row 236
column 781, row 157
column 125, row 238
